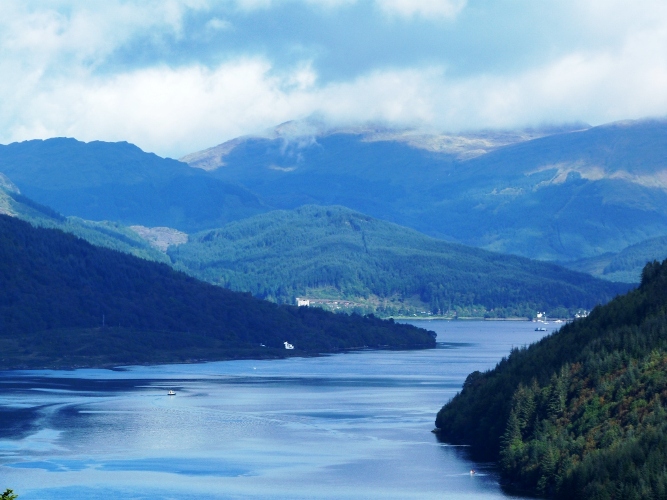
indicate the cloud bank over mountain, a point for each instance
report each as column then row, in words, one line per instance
column 178, row 76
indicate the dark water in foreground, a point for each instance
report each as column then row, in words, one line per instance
column 353, row 425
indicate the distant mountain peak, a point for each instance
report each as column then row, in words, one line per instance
column 305, row 133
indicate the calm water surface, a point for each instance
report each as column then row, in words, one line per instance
column 352, row 425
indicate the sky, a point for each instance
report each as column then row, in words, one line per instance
column 178, row 76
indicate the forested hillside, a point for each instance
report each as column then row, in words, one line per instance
column 64, row 302
column 626, row 265
column 336, row 253
column 101, row 233
column 580, row 414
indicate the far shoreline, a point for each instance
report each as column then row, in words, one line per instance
column 460, row 318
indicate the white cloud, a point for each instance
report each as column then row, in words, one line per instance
column 177, row 111
column 217, row 24
column 437, row 9
column 51, row 86
column 424, row 8
column 62, row 35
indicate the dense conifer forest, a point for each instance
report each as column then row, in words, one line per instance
column 580, row 414
column 336, row 253
column 64, row 302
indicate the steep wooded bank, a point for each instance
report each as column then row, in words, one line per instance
column 66, row 302
column 580, row 414
column 336, row 253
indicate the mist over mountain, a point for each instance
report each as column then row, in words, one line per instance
column 555, row 194
column 564, row 196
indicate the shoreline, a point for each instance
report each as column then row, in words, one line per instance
column 275, row 355
column 460, row 318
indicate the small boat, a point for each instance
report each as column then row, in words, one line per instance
column 472, row 472
column 288, row 345
column 540, row 329
column 171, row 393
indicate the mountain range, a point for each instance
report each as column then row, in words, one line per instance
column 561, row 195
column 343, row 261
column 120, row 182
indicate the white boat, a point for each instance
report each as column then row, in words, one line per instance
column 288, row 345
column 171, row 393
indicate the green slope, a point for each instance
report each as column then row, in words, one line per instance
column 64, row 302
column 106, row 234
column 626, row 265
column 580, row 414
column 338, row 254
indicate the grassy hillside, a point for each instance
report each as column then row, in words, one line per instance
column 335, row 253
column 64, row 302
column 580, row 414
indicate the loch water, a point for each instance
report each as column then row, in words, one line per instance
column 354, row 425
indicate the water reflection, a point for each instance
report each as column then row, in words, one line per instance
column 354, row 425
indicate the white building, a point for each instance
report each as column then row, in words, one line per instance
column 302, row 302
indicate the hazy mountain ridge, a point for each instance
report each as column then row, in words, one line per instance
column 525, row 198
column 567, row 196
column 626, row 265
column 106, row 234
column 122, row 183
